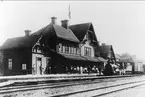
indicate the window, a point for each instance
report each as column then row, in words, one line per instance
column 38, row 58
column 67, row 49
column 87, row 51
column 70, row 50
column 24, row 67
column 10, row 64
column 60, row 47
column 63, row 49
column 74, row 50
column 77, row 51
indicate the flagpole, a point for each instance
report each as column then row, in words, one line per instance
column 69, row 13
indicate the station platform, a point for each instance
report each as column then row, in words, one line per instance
column 9, row 80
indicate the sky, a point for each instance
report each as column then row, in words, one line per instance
column 117, row 23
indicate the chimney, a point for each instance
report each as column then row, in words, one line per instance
column 27, row 32
column 53, row 20
column 64, row 23
column 103, row 44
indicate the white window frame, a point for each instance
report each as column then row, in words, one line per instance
column 87, row 51
column 60, row 47
column 75, row 51
column 63, row 49
column 70, row 50
column 24, row 66
column 10, row 63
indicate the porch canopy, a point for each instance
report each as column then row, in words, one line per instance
column 102, row 59
column 79, row 60
column 76, row 59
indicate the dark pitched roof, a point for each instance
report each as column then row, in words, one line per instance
column 20, row 42
column 65, row 33
column 105, row 48
column 59, row 31
column 80, row 29
column 29, row 41
column 74, row 57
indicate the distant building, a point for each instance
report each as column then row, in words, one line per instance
column 129, row 63
column 139, row 67
column 52, row 49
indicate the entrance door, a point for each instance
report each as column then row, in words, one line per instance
column 39, row 65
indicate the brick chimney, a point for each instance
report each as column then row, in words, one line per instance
column 64, row 23
column 27, row 32
column 53, row 20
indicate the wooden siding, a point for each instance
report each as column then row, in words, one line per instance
column 19, row 57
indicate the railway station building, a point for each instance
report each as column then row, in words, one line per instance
column 53, row 49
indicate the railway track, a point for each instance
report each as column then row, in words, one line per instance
column 102, row 91
column 18, row 88
column 21, row 88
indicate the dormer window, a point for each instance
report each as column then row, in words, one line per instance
column 87, row 51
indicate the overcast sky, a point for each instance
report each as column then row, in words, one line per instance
column 121, row 24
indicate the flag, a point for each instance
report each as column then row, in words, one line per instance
column 69, row 14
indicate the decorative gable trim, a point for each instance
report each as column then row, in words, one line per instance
column 37, row 41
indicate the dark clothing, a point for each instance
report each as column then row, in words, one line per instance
column 108, row 69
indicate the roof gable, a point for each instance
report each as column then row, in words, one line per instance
column 80, row 30
column 75, row 33
column 107, row 49
column 58, row 31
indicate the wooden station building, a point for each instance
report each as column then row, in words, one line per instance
column 53, row 49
